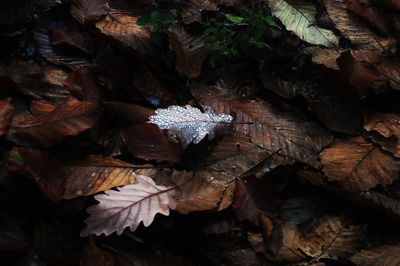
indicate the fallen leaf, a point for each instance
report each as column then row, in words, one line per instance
column 379, row 255
column 6, row 112
column 332, row 238
column 270, row 127
column 148, row 142
column 128, row 207
column 120, row 24
column 192, row 11
column 190, row 51
column 188, row 123
column 353, row 29
column 387, row 129
column 48, row 129
column 358, row 164
column 86, row 11
column 300, row 18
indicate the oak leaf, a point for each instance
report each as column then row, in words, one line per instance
column 128, row 207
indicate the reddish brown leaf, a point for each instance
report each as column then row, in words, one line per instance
column 192, row 11
column 253, row 198
column 352, row 28
column 70, row 36
column 359, row 165
column 83, row 84
column 6, row 112
column 387, row 127
column 148, row 142
column 190, row 51
column 270, row 127
column 332, row 238
column 127, row 114
column 120, row 24
column 87, row 10
column 387, row 255
column 371, row 14
column 48, row 129
column 212, row 188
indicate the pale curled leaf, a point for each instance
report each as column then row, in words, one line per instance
column 128, row 206
column 300, row 19
column 188, row 123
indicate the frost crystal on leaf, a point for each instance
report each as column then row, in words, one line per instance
column 189, row 123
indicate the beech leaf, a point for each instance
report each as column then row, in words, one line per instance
column 128, row 206
column 188, row 123
column 301, row 20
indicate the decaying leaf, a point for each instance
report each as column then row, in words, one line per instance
column 128, row 207
column 358, row 164
column 121, row 25
column 48, row 129
column 192, row 11
column 300, row 18
column 189, row 123
column 272, row 128
column 190, row 51
column 352, row 28
column 6, row 111
column 148, row 142
column 380, row 255
column 332, row 238
column 387, row 127
column 86, row 11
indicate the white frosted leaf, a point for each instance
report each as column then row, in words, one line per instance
column 128, row 206
column 188, row 123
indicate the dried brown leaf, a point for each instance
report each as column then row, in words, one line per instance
column 6, row 112
column 387, row 255
column 190, row 51
column 121, row 25
column 86, row 11
column 48, row 129
column 332, row 238
column 148, row 142
column 359, row 165
column 387, row 127
column 272, row 128
column 353, row 29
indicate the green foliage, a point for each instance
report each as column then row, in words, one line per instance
column 237, row 33
column 157, row 21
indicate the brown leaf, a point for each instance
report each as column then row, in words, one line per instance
column 94, row 256
column 387, row 129
column 148, row 142
column 387, row 255
column 323, row 56
column 127, row 113
column 212, row 188
column 148, row 83
column 192, row 11
column 71, row 179
column 253, row 198
column 120, row 24
column 96, row 174
column 190, row 51
column 359, row 165
column 283, row 244
column 371, row 14
column 332, row 238
column 86, row 11
column 82, row 83
column 353, row 29
column 6, row 112
column 42, row 106
column 272, row 128
column 48, row 129
column 71, row 36
column 128, row 207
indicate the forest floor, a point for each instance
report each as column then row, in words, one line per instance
column 199, row 132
